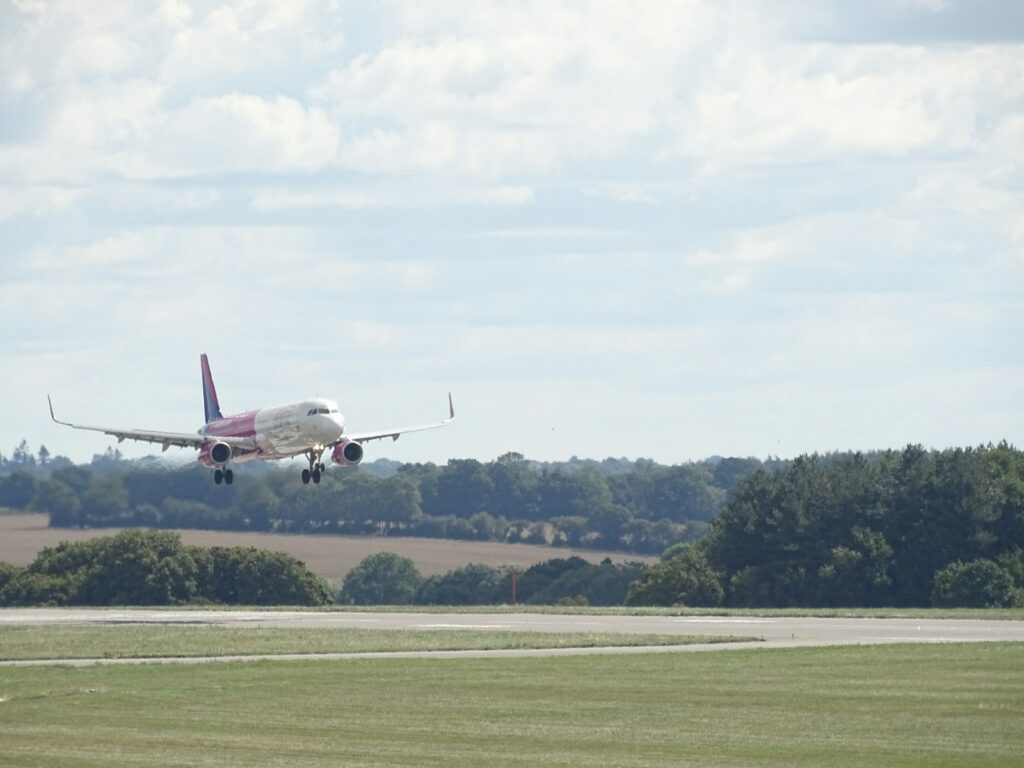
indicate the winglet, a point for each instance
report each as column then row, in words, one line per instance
column 451, row 408
column 54, row 417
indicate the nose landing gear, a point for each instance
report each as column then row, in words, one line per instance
column 316, row 467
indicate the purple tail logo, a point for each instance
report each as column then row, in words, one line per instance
column 211, row 405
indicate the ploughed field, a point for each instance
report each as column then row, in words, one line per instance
column 23, row 536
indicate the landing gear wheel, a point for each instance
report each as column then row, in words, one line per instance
column 316, row 475
column 322, row 467
column 305, row 477
column 229, row 476
column 218, row 476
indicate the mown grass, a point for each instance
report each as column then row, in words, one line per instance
column 149, row 641
column 909, row 705
column 981, row 614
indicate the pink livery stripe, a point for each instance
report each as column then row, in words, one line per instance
column 242, row 425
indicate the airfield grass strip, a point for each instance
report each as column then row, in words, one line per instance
column 979, row 614
column 904, row 705
column 157, row 641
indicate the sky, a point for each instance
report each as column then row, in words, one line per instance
column 647, row 229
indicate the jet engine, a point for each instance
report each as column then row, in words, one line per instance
column 347, row 453
column 214, row 454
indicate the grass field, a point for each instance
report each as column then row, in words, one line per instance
column 136, row 641
column 984, row 614
column 23, row 536
column 912, row 705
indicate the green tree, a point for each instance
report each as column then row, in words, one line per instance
column 569, row 494
column 251, row 576
column 603, row 584
column 977, row 584
column 610, row 522
column 397, row 502
column 684, row 579
column 17, row 489
column 463, row 488
column 7, row 573
column 257, row 504
column 135, row 567
column 570, row 531
column 515, row 487
column 472, row 584
column 60, row 502
column 105, row 501
column 381, row 579
column 28, row 588
column 727, row 473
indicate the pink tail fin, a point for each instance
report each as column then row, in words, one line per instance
column 211, row 405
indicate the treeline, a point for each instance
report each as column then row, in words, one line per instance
column 903, row 528
column 894, row 528
column 636, row 506
column 146, row 567
column 139, row 567
column 388, row 579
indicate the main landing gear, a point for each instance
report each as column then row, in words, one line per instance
column 223, row 476
column 316, row 467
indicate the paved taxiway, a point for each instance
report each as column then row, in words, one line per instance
column 772, row 632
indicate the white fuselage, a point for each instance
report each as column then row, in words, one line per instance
column 284, row 430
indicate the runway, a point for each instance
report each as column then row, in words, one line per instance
column 771, row 632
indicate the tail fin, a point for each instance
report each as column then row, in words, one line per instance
column 210, row 403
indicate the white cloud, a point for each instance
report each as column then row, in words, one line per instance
column 811, row 102
column 394, row 196
column 734, row 269
column 638, row 214
column 238, row 132
column 16, row 201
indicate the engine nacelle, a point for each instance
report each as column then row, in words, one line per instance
column 347, row 454
column 214, row 455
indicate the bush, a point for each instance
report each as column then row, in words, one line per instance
column 381, row 579
column 473, row 584
column 977, row 584
column 38, row 589
column 138, row 567
column 684, row 579
column 604, row 584
column 250, row 576
column 8, row 573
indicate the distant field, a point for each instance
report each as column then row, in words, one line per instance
column 23, row 536
column 923, row 705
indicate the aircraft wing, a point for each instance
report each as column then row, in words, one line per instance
column 166, row 439
column 394, row 434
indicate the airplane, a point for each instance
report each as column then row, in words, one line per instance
column 308, row 428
